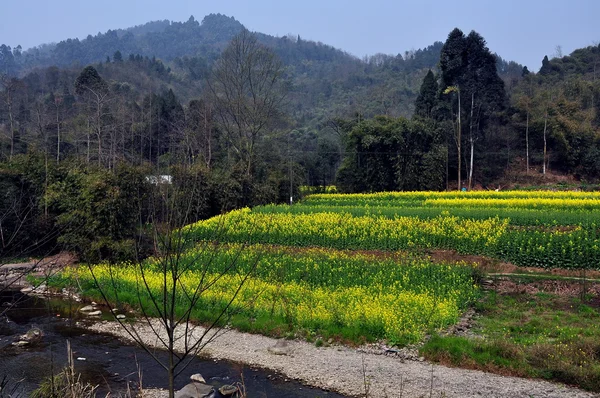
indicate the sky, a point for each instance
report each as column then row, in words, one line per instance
column 518, row 30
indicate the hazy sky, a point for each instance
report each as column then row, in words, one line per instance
column 519, row 30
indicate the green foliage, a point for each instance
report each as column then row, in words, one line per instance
column 338, row 294
column 522, row 337
column 99, row 212
column 26, row 227
column 386, row 154
column 90, row 81
column 428, row 96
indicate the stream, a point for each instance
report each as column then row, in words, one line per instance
column 104, row 360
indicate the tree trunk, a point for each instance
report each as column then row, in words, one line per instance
column 11, row 122
column 545, row 126
column 99, row 132
column 87, row 158
column 57, row 135
column 472, row 143
column 527, row 141
column 208, row 138
column 458, row 143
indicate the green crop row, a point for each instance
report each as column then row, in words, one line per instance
column 325, row 291
column 577, row 247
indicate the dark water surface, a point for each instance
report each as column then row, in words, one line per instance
column 109, row 362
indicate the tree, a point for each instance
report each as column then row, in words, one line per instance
column 202, row 132
column 467, row 64
column 95, row 92
column 458, row 131
column 247, row 89
column 11, row 87
column 387, row 154
column 117, row 56
column 428, row 96
column 546, row 68
column 188, row 271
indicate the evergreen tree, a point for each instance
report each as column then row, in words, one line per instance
column 428, row 96
column 469, row 68
column 546, row 67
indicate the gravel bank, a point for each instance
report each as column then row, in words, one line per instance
column 341, row 369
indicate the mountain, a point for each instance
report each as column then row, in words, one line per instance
column 321, row 75
column 168, row 62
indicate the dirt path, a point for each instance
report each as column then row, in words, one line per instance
column 341, row 369
column 15, row 275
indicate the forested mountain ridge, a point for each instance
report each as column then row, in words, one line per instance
column 321, row 76
column 240, row 119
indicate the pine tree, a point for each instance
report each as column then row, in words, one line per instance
column 428, row 96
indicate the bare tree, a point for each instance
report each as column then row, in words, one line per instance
column 10, row 87
column 90, row 85
column 247, row 90
column 167, row 310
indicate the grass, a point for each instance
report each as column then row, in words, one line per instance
column 541, row 335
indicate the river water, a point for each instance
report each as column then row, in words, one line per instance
column 105, row 360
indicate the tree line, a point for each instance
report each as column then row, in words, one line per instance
column 252, row 123
column 476, row 126
column 82, row 154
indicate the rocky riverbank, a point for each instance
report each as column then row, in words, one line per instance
column 350, row 371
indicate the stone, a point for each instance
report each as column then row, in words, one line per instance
column 197, row 377
column 95, row 313
column 228, row 390
column 27, row 290
column 280, row 348
column 32, row 337
column 121, row 316
column 195, row 390
column 87, row 308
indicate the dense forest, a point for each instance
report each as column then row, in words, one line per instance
column 239, row 118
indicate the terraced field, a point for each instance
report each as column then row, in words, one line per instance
column 357, row 268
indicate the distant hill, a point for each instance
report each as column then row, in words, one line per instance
column 325, row 81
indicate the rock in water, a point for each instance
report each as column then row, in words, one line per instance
column 228, row 390
column 32, row 337
column 195, row 390
column 197, row 377
column 87, row 308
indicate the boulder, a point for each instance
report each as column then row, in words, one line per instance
column 87, row 308
column 195, row 390
column 228, row 390
column 282, row 347
column 32, row 337
column 197, row 377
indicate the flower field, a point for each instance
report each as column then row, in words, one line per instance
column 332, row 292
column 353, row 266
column 565, row 234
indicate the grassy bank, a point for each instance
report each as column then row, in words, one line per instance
column 548, row 328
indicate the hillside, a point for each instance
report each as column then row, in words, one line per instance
column 322, row 77
column 162, row 67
